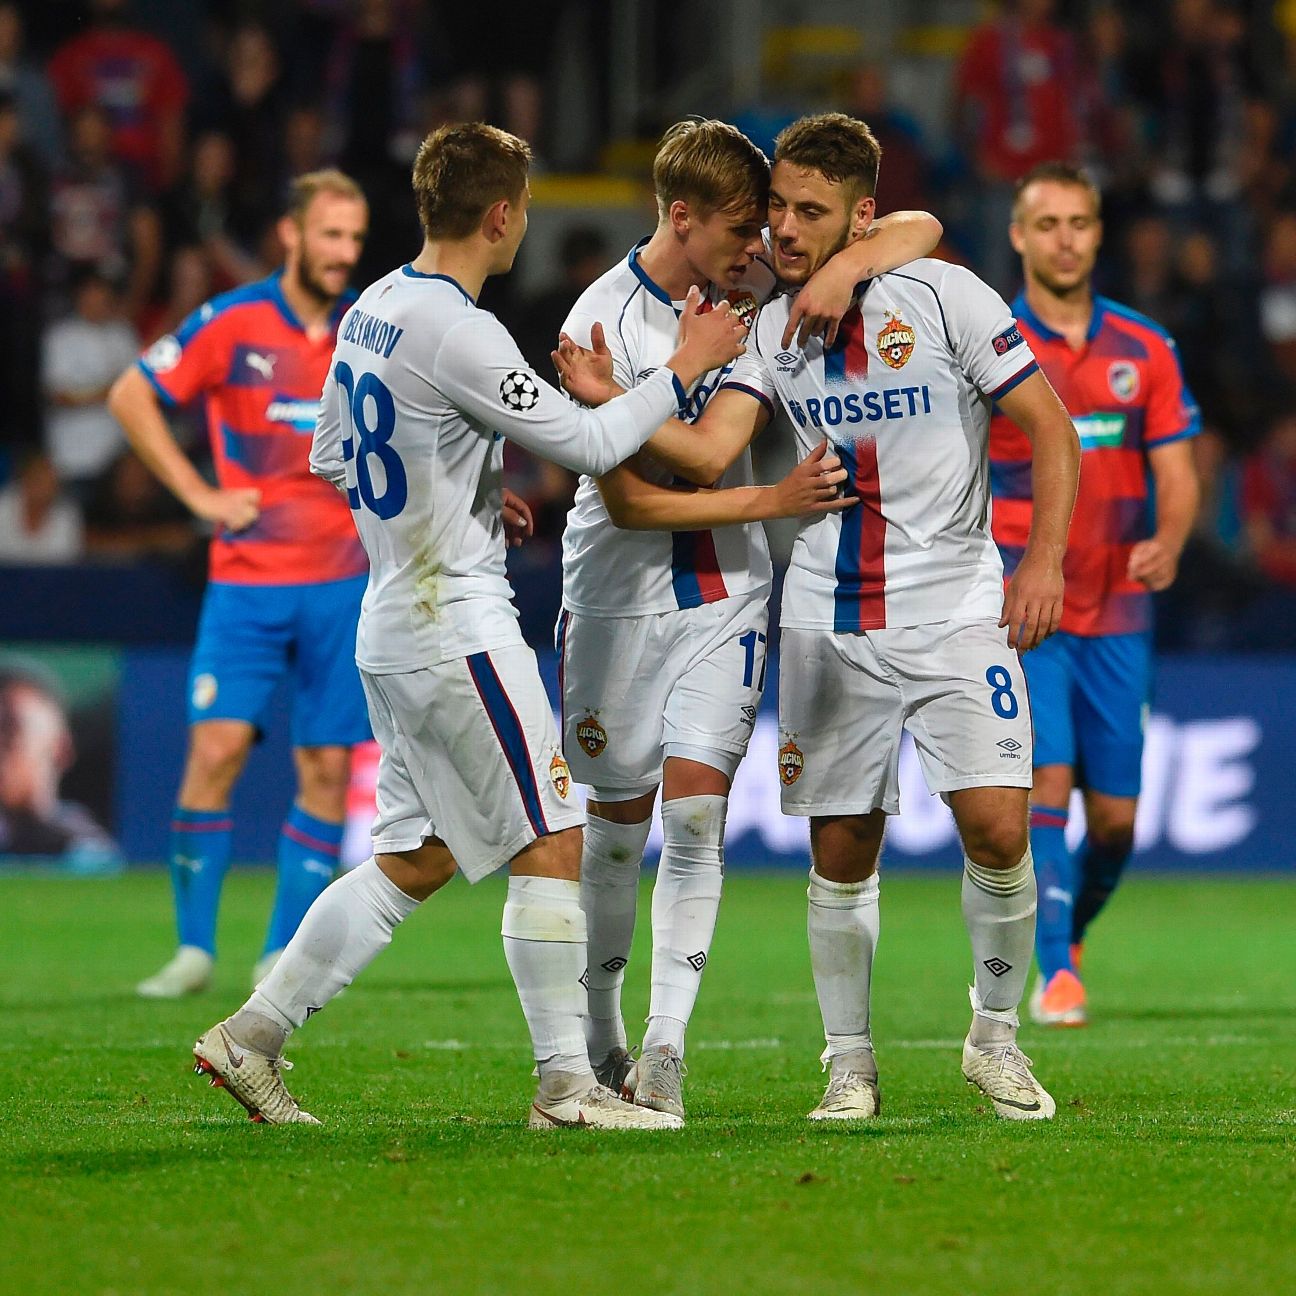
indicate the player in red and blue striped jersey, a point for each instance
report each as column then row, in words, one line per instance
column 1119, row 377
column 287, row 571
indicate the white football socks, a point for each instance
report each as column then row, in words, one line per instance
column 544, row 942
column 686, row 899
column 843, row 925
column 609, row 892
column 346, row 928
column 999, row 911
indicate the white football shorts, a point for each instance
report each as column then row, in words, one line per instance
column 639, row 689
column 844, row 700
column 470, row 754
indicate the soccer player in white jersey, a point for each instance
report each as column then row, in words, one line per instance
column 423, row 388
column 894, row 612
column 663, row 631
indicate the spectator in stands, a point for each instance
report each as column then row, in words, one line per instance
column 203, row 210
column 130, row 515
column 30, row 88
column 38, row 524
column 1278, row 296
column 1018, row 97
column 100, row 218
column 190, row 284
column 136, row 79
column 1269, row 517
column 24, row 224
column 1147, row 255
column 905, row 181
column 36, row 751
column 83, row 355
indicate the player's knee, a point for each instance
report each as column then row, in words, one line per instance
column 845, row 848
column 994, row 844
column 1114, row 833
column 556, row 855
column 216, row 758
column 323, row 778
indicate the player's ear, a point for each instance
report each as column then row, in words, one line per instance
column 495, row 221
column 1016, row 238
column 862, row 216
column 678, row 215
column 289, row 232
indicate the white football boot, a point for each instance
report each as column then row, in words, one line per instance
column 1003, row 1073
column 251, row 1078
column 563, row 1100
column 852, row 1092
column 657, row 1080
column 187, row 973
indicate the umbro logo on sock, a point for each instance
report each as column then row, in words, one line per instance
column 311, row 1010
column 697, row 961
column 997, row 966
column 584, row 979
column 614, row 964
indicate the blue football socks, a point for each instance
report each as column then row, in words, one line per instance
column 199, row 857
column 1098, row 870
column 309, row 850
column 1054, row 877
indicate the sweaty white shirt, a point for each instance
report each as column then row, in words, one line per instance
column 422, row 391
column 611, row 572
column 904, row 397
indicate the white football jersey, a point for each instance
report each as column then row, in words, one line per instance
column 611, row 572
column 904, row 397
column 422, row 390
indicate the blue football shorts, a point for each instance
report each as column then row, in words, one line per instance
column 251, row 636
column 1089, row 697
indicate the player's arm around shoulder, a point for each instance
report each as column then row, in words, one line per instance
column 1032, row 607
column 889, row 243
column 635, row 503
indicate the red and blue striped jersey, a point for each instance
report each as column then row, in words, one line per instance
column 262, row 376
column 1126, row 394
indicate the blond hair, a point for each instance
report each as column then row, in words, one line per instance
column 710, row 164
column 463, row 170
column 305, row 188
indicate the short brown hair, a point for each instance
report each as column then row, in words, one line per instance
column 1062, row 173
column 304, row 188
column 841, row 148
column 710, row 163
column 462, row 170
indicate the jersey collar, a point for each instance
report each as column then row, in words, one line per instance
column 642, row 275
column 1022, row 310
column 409, row 271
column 274, row 287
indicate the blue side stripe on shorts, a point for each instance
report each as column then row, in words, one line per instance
column 508, row 729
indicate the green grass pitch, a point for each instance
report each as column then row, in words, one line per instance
column 1169, row 1168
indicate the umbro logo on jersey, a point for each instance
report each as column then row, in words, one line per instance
column 644, row 373
column 786, row 360
column 614, row 964
column 697, row 961
column 997, row 966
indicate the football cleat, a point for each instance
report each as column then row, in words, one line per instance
column 595, row 1107
column 1077, row 955
column 187, row 973
column 656, row 1080
column 1003, row 1073
column 251, row 1078
column 614, row 1068
column 852, row 1092
column 1060, row 1002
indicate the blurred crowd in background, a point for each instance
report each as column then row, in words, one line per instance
column 145, row 150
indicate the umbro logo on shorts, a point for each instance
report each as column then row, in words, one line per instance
column 614, row 964
column 997, row 966
column 697, row 961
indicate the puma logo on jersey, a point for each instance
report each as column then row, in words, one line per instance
column 263, row 364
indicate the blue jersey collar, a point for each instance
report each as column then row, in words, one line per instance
column 642, row 275
column 274, row 290
column 1022, row 310
column 409, row 271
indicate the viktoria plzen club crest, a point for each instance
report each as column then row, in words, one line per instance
column 895, row 343
column 790, row 763
column 591, row 735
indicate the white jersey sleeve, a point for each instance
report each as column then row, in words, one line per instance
column 327, row 459
column 987, row 342
column 751, row 374
column 579, row 327
column 480, row 370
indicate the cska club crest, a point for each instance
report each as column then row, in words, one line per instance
column 743, row 304
column 560, row 775
column 790, row 763
column 591, row 735
column 895, row 343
